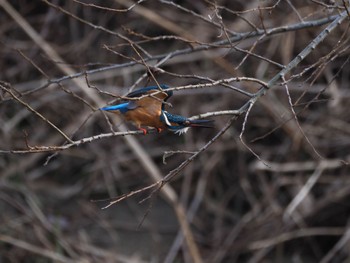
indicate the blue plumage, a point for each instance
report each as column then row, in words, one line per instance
column 180, row 124
column 143, row 91
column 123, row 108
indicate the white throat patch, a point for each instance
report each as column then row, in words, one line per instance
column 166, row 119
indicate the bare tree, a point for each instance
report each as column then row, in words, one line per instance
column 269, row 182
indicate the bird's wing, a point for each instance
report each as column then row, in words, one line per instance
column 162, row 95
column 154, row 102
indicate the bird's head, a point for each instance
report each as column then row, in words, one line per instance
column 180, row 125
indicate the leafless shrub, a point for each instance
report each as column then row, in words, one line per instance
column 270, row 182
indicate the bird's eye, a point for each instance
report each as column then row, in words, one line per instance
column 187, row 123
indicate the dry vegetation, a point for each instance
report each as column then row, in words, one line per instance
column 271, row 181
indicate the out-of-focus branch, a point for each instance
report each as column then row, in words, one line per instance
column 326, row 231
column 203, row 47
column 144, row 158
column 8, row 90
column 291, row 65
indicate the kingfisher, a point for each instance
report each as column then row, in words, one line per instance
column 146, row 108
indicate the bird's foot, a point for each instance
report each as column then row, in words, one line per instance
column 143, row 130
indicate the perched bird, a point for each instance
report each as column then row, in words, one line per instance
column 146, row 108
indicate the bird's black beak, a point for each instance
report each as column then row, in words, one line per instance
column 201, row 123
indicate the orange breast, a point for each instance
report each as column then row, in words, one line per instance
column 145, row 116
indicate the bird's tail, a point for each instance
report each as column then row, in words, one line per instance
column 120, row 107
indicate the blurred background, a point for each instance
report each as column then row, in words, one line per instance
column 280, row 195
